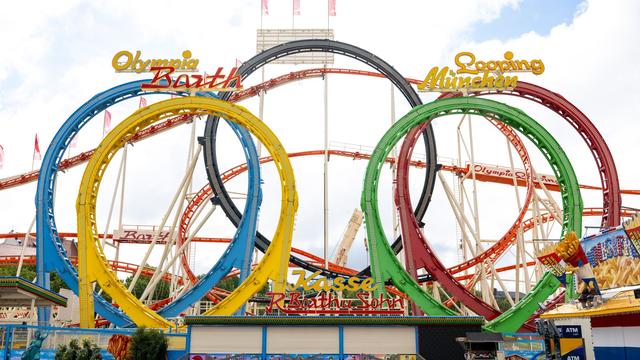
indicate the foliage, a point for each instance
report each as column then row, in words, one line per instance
column 232, row 283
column 161, row 291
column 148, row 344
column 29, row 272
column 229, row 284
column 73, row 351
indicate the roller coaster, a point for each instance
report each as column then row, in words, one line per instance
column 422, row 268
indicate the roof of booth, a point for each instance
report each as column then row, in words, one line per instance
column 334, row 320
column 16, row 291
column 623, row 303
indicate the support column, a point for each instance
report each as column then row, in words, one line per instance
column 326, row 173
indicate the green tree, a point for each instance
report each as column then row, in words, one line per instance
column 148, row 344
column 229, row 284
column 232, row 283
column 73, row 351
column 161, row 291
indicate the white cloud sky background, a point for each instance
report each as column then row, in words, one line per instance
column 58, row 55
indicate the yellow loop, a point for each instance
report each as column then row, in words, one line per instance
column 92, row 262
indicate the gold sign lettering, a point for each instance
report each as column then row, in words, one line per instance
column 489, row 75
column 321, row 283
column 125, row 61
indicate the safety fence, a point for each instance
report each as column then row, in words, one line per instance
column 15, row 340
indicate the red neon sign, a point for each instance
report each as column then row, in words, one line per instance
column 162, row 80
column 329, row 303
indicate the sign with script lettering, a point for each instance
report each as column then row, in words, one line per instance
column 327, row 300
column 168, row 74
column 473, row 75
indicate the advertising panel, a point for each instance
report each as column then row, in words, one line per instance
column 614, row 259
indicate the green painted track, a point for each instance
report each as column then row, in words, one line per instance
column 385, row 265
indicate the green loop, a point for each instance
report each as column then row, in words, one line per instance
column 385, row 265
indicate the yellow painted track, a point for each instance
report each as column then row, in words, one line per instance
column 93, row 265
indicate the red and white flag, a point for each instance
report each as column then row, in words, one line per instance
column 1, row 156
column 143, row 102
column 265, row 7
column 332, row 7
column 106, row 126
column 36, row 150
column 296, row 7
column 238, row 62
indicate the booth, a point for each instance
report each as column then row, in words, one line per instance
column 335, row 337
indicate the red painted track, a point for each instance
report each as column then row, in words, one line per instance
column 529, row 91
column 418, row 252
column 611, row 199
column 555, row 102
column 205, row 193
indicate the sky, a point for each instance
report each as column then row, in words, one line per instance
column 57, row 55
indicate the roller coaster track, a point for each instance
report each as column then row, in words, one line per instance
column 205, row 194
column 117, row 240
column 599, row 149
column 384, row 263
column 51, row 254
column 417, row 249
column 529, row 91
column 418, row 252
column 611, row 200
column 426, row 258
column 553, row 101
column 93, row 263
column 238, row 253
column 305, row 46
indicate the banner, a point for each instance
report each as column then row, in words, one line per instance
column 571, row 342
column 614, row 259
column 632, row 228
column 568, row 255
column 554, row 264
column 136, row 235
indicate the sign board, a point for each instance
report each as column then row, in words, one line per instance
column 164, row 71
column 162, row 80
column 139, row 235
column 571, row 342
column 125, row 61
column 614, row 259
column 327, row 299
column 477, row 75
column 505, row 172
column 632, row 228
column 570, row 331
column 268, row 38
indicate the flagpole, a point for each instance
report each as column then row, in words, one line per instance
column 33, row 157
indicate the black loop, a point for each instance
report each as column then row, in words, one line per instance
column 317, row 45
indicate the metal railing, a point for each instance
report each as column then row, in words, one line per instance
column 16, row 339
